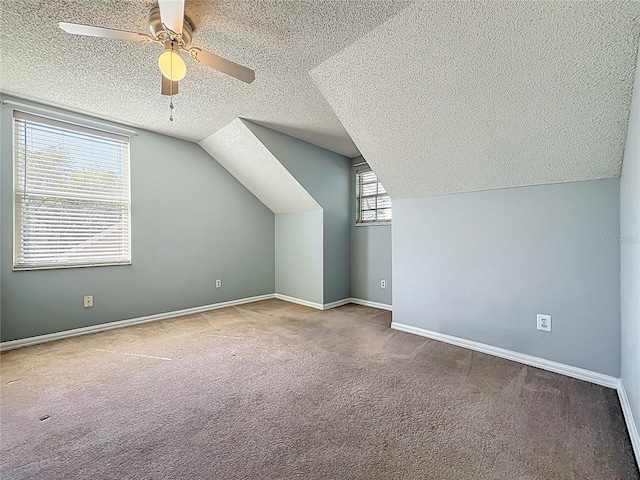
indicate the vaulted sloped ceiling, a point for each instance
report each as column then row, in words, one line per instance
column 238, row 150
column 449, row 97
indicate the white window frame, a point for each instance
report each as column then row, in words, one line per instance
column 78, row 127
column 359, row 221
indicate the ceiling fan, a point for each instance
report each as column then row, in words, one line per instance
column 168, row 26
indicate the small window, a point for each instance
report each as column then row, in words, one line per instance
column 72, row 202
column 373, row 201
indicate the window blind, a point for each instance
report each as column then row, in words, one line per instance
column 72, row 200
column 374, row 203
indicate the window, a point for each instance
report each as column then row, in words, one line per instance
column 373, row 201
column 72, row 206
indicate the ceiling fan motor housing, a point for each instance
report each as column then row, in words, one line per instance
column 159, row 33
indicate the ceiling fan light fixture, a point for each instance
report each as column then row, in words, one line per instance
column 171, row 64
column 168, row 26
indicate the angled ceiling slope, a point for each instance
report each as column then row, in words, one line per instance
column 452, row 97
column 238, row 150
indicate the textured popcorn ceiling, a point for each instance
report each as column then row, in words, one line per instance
column 280, row 40
column 238, row 150
column 463, row 96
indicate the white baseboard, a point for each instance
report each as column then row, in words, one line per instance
column 337, row 303
column 307, row 303
column 299, row 301
column 632, row 426
column 23, row 342
column 568, row 370
column 367, row 303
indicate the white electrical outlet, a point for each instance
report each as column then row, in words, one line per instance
column 544, row 322
column 218, row 283
column 88, row 301
column 383, row 284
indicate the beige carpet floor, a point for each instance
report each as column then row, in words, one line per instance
column 273, row 390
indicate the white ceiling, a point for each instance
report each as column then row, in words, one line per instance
column 280, row 40
column 440, row 97
column 449, row 97
column 238, row 150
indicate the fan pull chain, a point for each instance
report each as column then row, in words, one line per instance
column 171, row 102
column 171, row 91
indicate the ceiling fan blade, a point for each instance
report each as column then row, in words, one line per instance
column 169, row 87
column 223, row 65
column 77, row 29
column 172, row 14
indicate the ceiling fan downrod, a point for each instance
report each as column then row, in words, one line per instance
column 160, row 32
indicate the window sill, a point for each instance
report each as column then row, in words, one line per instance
column 372, row 224
column 58, row 267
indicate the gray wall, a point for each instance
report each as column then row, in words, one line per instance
column 299, row 255
column 192, row 222
column 370, row 254
column 630, row 257
column 326, row 176
column 481, row 266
